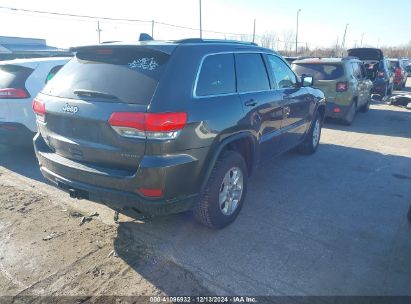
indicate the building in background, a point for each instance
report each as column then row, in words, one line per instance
column 16, row 47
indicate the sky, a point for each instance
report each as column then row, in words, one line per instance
column 321, row 22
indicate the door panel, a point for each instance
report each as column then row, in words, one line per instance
column 296, row 107
column 265, row 119
column 296, row 102
column 262, row 105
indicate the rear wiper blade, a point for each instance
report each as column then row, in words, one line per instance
column 90, row 93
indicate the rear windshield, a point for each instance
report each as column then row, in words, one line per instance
column 13, row 76
column 394, row 64
column 123, row 74
column 319, row 71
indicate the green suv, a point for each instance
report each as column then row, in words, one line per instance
column 344, row 83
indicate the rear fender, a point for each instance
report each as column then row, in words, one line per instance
column 215, row 154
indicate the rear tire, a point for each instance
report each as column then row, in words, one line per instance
column 214, row 208
column 312, row 140
column 389, row 92
column 366, row 107
column 349, row 118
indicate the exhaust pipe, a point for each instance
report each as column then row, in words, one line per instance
column 78, row 194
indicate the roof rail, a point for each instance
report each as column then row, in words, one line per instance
column 309, row 57
column 350, row 57
column 198, row 40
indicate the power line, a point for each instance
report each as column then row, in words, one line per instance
column 71, row 15
column 113, row 19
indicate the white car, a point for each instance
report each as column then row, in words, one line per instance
column 20, row 81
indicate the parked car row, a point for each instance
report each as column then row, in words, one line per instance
column 377, row 69
column 350, row 83
column 163, row 127
column 344, row 82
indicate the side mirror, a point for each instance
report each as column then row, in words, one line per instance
column 307, row 80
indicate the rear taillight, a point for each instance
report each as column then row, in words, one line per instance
column 13, row 93
column 39, row 107
column 342, row 86
column 160, row 126
column 380, row 74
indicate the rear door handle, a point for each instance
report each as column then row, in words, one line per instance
column 250, row 103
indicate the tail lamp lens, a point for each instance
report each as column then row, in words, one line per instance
column 160, row 126
column 13, row 93
column 342, row 86
column 39, row 107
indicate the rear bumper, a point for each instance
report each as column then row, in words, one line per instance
column 12, row 133
column 124, row 202
column 398, row 81
column 333, row 110
column 177, row 176
column 379, row 88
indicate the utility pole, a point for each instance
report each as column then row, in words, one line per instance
column 99, row 31
column 343, row 42
column 201, row 23
column 362, row 38
column 336, row 47
column 296, row 34
column 152, row 29
column 254, row 31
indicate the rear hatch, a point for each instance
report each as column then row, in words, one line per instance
column 326, row 75
column 366, row 54
column 82, row 97
column 12, row 86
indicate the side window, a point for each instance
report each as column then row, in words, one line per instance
column 53, row 72
column 363, row 71
column 283, row 75
column 356, row 70
column 251, row 73
column 217, row 75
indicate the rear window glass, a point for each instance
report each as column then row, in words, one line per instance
column 394, row 64
column 124, row 74
column 319, row 71
column 13, row 76
column 217, row 75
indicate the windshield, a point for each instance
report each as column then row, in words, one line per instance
column 319, row 71
column 128, row 75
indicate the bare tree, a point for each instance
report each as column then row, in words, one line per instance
column 246, row 37
column 269, row 40
column 288, row 40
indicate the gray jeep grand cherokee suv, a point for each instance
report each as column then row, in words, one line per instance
column 163, row 127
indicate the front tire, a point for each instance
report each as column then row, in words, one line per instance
column 223, row 197
column 312, row 140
